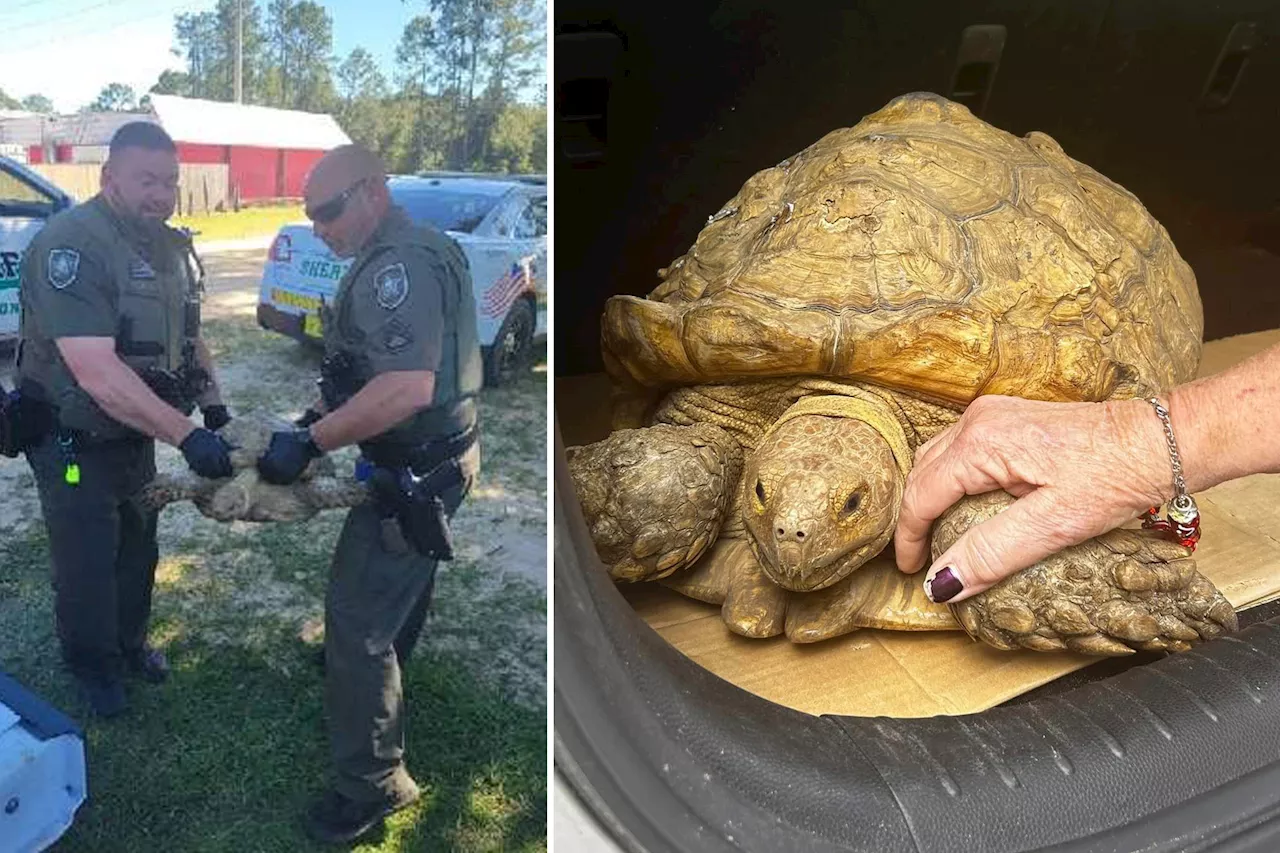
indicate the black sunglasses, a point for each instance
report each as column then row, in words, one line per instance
column 332, row 209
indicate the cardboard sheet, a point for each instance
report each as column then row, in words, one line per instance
column 904, row 674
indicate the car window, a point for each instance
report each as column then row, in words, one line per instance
column 532, row 222
column 15, row 192
column 448, row 210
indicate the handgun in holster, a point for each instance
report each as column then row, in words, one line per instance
column 416, row 504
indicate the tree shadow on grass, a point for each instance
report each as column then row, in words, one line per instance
column 227, row 753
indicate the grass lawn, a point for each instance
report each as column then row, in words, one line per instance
column 248, row 222
column 225, row 755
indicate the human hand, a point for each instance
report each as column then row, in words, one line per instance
column 215, row 417
column 1078, row 469
column 287, row 456
column 207, row 453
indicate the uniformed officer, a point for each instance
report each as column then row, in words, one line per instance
column 401, row 372
column 110, row 353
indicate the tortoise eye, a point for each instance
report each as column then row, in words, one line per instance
column 852, row 504
column 760, row 491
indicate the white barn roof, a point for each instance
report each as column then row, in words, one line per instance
column 219, row 123
column 22, row 128
column 91, row 128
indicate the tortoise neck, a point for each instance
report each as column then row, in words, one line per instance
column 748, row 409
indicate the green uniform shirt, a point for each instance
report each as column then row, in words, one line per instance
column 91, row 273
column 407, row 303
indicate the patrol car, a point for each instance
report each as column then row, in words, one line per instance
column 26, row 201
column 499, row 221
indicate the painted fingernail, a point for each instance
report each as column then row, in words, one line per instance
column 943, row 586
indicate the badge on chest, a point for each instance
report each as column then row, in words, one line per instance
column 140, row 270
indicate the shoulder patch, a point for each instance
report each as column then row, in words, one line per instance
column 391, row 286
column 63, row 266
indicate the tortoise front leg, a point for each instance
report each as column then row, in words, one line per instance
column 730, row 575
column 165, row 489
column 1117, row 593
column 654, row 498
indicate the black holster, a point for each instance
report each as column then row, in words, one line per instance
column 24, row 421
column 416, row 504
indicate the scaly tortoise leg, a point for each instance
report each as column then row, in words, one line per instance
column 654, row 498
column 730, row 575
column 165, row 489
column 1117, row 593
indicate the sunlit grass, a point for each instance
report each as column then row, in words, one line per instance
column 247, row 222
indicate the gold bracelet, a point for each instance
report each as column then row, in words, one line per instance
column 1182, row 520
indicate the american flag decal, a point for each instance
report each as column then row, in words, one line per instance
column 504, row 291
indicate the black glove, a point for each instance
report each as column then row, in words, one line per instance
column 215, row 417
column 287, row 456
column 207, row 453
column 309, row 417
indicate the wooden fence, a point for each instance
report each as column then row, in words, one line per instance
column 202, row 188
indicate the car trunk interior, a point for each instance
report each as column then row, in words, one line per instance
column 662, row 113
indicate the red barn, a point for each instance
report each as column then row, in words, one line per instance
column 267, row 151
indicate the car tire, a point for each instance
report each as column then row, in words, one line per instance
column 511, row 354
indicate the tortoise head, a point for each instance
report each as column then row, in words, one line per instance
column 821, row 492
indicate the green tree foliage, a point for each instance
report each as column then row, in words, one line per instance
column 299, row 51
column 37, row 104
column 114, row 97
column 173, row 83
column 464, row 92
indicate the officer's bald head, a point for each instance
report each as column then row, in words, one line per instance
column 346, row 197
column 339, row 169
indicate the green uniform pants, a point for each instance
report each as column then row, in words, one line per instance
column 374, row 608
column 103, row 548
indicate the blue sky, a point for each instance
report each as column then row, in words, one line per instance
column 69, row 49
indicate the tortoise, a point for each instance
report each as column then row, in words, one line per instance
column 844, row 307
column 243, row 496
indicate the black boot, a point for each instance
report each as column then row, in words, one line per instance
column 105, row 695
column 148, row 664
column 334, row 819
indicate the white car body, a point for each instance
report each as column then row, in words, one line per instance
column 500, row 223
column 26, row 201
column 43, row 781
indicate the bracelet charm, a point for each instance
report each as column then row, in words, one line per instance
column 1182, row 519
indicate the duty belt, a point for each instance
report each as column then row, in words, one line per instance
column 421, row 458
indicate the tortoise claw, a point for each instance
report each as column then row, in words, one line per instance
column 755, row 606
